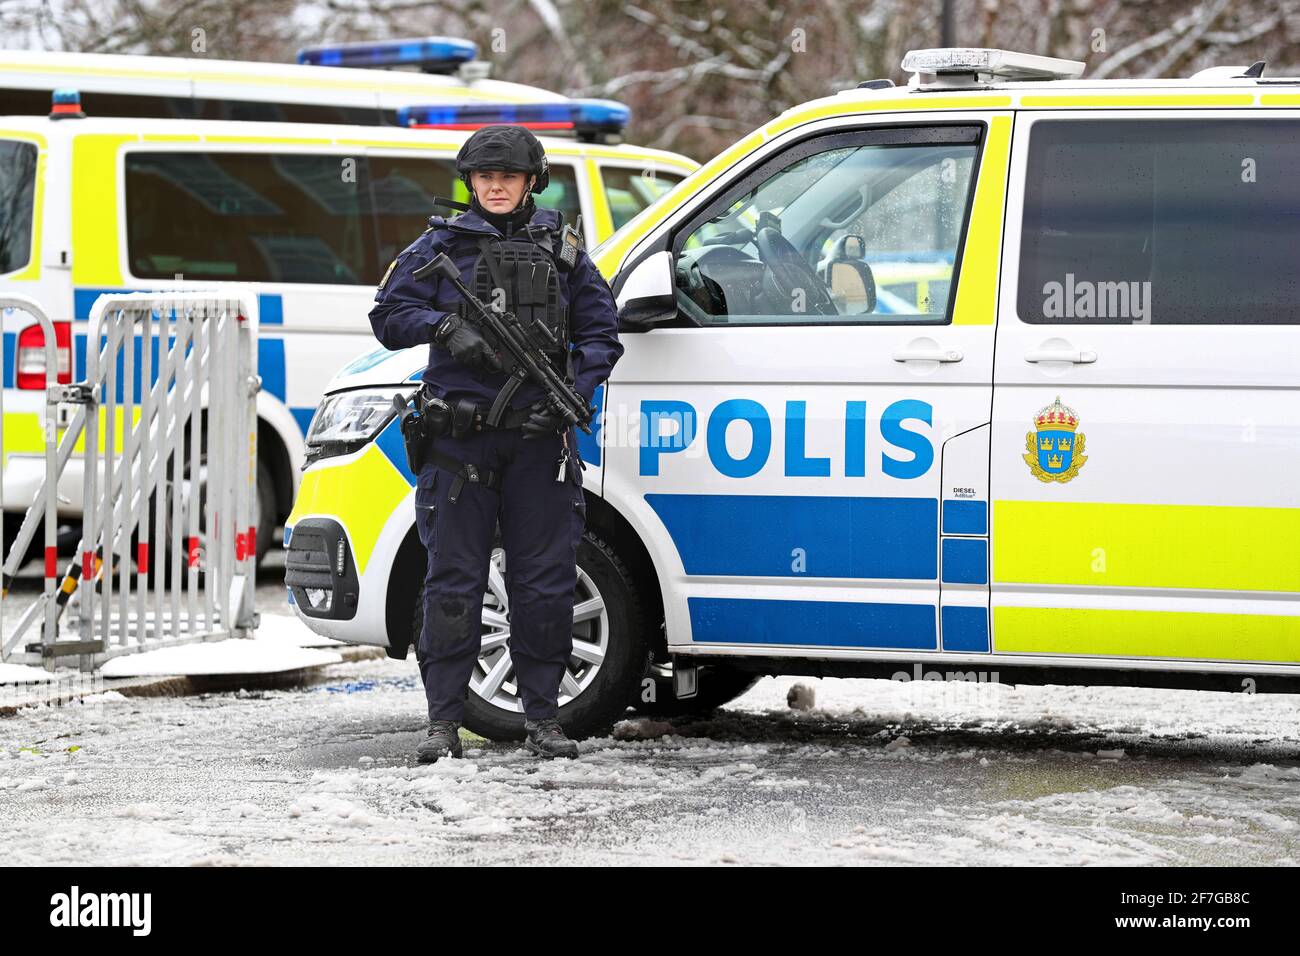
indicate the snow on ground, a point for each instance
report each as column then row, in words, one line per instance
column 1123, row 710
column 281, row 643
column 22, row 674
column 876, row 772
column 234, row 656
column 281, row 626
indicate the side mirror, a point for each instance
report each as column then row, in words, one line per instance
column 647, row 297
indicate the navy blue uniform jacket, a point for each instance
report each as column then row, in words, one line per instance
column 407, row 309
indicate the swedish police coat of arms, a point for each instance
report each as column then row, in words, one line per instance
column 1054, row 450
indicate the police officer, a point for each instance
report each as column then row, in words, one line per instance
column 523, row 471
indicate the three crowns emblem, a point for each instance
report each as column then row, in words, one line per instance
column 1054, row 450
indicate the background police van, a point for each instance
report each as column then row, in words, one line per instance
column 306, row 216
column 381, row 78
column 1063, row 451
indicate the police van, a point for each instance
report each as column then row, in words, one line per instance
column 1063, row 450
column 379, row 79
column 304, row 215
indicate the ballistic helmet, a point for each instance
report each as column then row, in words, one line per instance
column 503, row 147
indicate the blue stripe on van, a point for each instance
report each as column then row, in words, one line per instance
column 79, row 346
column 270, row 309
column 270, row 359
column 589, row 445
column 965, row 561
column 270, row 366
column 303, row 417
column 270, row 306
column 812, row 623
column 832, row 537
column 84, row 299
column 965, row 629
column 965, row 517
column 10, row 359
column 391, row 443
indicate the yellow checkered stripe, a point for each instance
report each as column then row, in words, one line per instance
column 1209, row 547
column 1112, row 546
column 360, row 493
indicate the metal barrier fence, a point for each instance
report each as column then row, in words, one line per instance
column 47, row 512
column 166, row 423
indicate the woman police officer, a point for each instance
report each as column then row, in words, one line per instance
column 524, row 472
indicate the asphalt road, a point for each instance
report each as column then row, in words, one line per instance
column 878, row 772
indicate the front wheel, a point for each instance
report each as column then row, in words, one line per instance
column 264, row 510
column 610, row 650
column 264, row 506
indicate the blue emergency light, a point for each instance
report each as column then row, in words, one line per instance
column 66, row 104
column 587, row 119
column 430, row 54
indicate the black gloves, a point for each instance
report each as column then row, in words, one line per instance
column 544, row 420
column 466, row 345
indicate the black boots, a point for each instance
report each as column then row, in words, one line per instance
column 443, row 741
column 546, row 739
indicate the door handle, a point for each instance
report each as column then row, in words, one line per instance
column 928, row 355
column 1076, row 357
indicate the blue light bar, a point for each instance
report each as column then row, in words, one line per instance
column 585, row 118
column 606, row 115
column 66, row 104
column 431, row 54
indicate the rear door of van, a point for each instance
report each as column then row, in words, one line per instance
column 1146, row 432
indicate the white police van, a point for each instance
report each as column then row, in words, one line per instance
column 305, row 215
column 997, row 373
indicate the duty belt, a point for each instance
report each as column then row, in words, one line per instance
column 468, row 417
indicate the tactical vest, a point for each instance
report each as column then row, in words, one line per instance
column 520, row 276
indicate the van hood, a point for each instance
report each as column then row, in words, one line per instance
column 379, row 366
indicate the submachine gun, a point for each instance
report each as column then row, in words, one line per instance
column 524, row 346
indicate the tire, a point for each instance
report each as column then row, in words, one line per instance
column 264, row 516
column 266, row 510
column 718, row 685
column 605, row 688
column 160, row 535
column 13, row 521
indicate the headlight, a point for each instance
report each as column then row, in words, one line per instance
column 346, row 421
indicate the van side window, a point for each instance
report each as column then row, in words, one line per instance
column 401, row 196
column 631, row 190
column 402, row 190
column 862, row 227
column 293, row 217
column 1169, row 222
column 562, row 193
column 249, row 217
column 17, row 190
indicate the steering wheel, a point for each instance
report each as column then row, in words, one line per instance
column 787, row 271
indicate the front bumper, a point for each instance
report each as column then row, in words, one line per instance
column 320, row 571
column 351, row 516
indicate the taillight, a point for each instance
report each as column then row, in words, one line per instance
column 30, row 364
